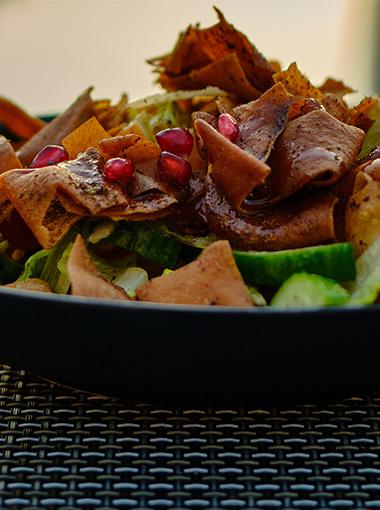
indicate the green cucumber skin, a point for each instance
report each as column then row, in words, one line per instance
column 335, row 261
column 309, row 290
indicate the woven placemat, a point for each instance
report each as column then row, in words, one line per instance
column 61, row 448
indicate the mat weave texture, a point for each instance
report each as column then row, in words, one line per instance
column 66, row 449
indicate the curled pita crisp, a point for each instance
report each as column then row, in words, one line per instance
column 305, row 220
column 262, row 121
column 235, row 171
column 212, row 279
column 297, row 84
column 237, row 168
column 226, row 73
column 363, row 209
column 313, row 149
column 219, row 55
column 52, row 199
column 8, row 157
column 81, row 110
column 31, row 284
column 85, row 279
column 8, row 161
column 359, row 115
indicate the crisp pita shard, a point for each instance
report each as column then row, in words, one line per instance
column 85, row 279
column 212, row 279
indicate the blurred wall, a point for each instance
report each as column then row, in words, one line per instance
column 50, row 50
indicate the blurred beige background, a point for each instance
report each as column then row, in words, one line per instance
column 50, row 50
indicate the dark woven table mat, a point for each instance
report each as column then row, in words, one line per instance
column 66, row 449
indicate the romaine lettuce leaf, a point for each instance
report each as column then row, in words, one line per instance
column 372, row 138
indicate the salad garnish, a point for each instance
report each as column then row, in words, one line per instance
column 242, row 184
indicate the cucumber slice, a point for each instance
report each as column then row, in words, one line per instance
column 366, row 287
column 335, row 261
column 308, row 290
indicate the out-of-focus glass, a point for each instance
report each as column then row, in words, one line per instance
column 50, row 50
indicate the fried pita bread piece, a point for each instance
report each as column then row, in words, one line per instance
column 218, row 55
column 359, row 115
column 33, row 284
column 8, row 157
column 131, row 146
column 262, row 121
column 18, row 121
column 336, row 87
column 81, row 110
column 8, row 161
column 52, row 199
column 226, row 73
column 212, row 279
column 237, row 168
column 363, row 208
column 304, row 220
column 314, row 149
column 85, row 279
column 297, row 84
column 235, row 171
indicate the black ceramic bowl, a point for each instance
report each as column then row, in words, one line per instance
column 187, row 354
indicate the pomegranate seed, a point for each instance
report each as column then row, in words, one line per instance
column 228, row 127
column 49, row 155
column 118, row 169
column 176, row 140
column 174, row 168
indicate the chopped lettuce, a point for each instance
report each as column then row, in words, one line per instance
column 179, row 95
column 257, row 298
column 200, row 242
column 372, row 138
column 146, row 240
column 131, row 279
column 111, row 269
column 152, row 119
column 366, row 288
column 34, row 265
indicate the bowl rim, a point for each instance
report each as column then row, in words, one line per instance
column 145, row 306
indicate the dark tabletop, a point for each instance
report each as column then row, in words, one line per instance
column 62, row 448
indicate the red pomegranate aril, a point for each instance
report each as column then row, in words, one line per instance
column 175, row 140
column 118, row 169
column 174, row 169
column 228, row 127
column 49, row 155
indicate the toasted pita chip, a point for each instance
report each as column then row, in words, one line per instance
column 262, row 121
column 81, row 110
column 8, row 157
column 212, row 279
column 304, row 220
column 111, row 116
column 52, row 199
column 131, row 146
column 18, row 121
column 296, row 83
column 223, row 38
column 85, row 279
column 219, row 55
column 359, row 116
column 336, row 87
column 5, row 207
column 88, row 134
column 235, row 171
column 363, row 209
column 8, row 161
column 226, row 73
column 314, row 149
column 32, row 284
